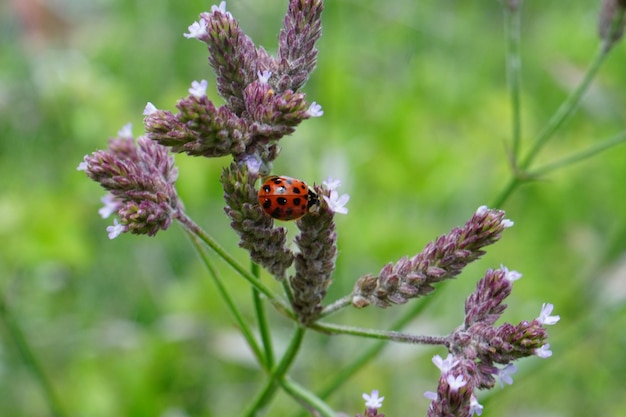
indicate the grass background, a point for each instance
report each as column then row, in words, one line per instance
column 416, row 122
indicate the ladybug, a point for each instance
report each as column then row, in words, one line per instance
column 285, row 198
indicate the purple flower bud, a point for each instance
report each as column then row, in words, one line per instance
column 442, row 259
column 140, row 179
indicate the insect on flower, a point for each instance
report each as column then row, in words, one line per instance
column 285, row 198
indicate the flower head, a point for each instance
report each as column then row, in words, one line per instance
column 373, row 400
column 475, row 406
column 331, row 184
column 337, row 203
column 140, row 180
column 545, row 318
column 198, row 89
column 197, row 30
column 220, row 8
column 506, row 374
column 544, row 351
column 126, row 132
column 264, row 76
column 510, row 275
column 315, row 110
column 455, row 382
column 116, row 230
column 111, row 205
column 149, row 109
column 445, row 365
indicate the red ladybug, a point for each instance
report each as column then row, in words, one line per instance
column 286, row 198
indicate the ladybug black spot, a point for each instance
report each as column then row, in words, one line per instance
column 267, row 203
column 297, row 201
column 276, row 213
column 282, row 201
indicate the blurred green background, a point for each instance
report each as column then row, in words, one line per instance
column 416, row 122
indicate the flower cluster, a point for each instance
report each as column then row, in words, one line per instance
column 441, row 259
column 267, row 244
column 478, row 347
column 140, row 180
column 261, row 91
column 315, row 263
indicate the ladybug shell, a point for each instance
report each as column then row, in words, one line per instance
column 285, row 198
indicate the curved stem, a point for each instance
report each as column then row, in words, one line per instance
column 31, row 361
column 392, row 335
column 566, row 109
column 512, row 19
column 582, row 155
column 360, row 360
column 278, row 373
column 504, row 195
column 336, row 306
column 193, row 228
column 264, row 327
column 221, row 288
column 307, row 398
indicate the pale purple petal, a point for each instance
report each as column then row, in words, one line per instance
column 198, row 89
column 196, row 30
column 373, row 400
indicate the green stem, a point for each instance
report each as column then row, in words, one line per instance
column 582, row 155
column 232, row 307
column 511, row 186
column 360, row 360
column 336, row 306
column 278, row 374
column 307, row 398
column 193, row 228
column 512, row 18
column 391, row 335
column 261, row 316
column 566, row 109
column 31, row 361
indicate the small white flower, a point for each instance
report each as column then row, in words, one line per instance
column 264, row 76
column 545, row 317
column 510, row 275
column 315, row 110
column 481, row 210
column 455, row 382
column 221, row 8
column 126, row 132
column 446, row 364
column 337, row 203
column 544, row 351
column 115, row 230
column 111, row 205
column 196, row 29
column 475, row 406
column 149, row 109
column 332, row 184
column 83, row 165
column 198, row 89
column 506, row 223
column 505, row 374
column 373, row 400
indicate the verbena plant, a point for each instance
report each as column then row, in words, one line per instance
column 262, row 105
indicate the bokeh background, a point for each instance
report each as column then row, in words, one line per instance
column 416, row 124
